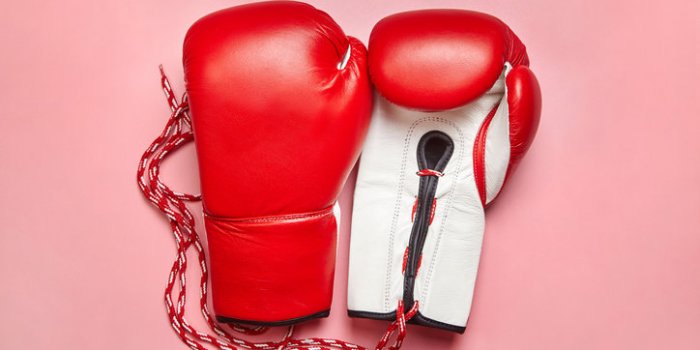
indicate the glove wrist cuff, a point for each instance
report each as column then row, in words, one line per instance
column 274, row 270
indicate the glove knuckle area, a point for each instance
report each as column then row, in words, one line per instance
column 436, row 59
column 278, row 41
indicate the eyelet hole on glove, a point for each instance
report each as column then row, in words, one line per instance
column 434, row 150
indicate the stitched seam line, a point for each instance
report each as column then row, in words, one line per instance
column 395, row 217
column 424, row 293
column 397, row 206
column 289, row 217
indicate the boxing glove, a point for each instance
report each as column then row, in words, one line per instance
column 457, row 108
column 280, row 102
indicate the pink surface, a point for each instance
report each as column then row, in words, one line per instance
column 594, row 245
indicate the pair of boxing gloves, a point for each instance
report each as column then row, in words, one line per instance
column 442, row 106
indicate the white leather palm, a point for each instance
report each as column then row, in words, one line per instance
column 385, row 193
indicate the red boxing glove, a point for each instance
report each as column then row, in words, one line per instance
column 280, row 102
column 459, row 108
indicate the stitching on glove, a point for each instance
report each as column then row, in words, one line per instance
column 276, row 218
column 397, row 205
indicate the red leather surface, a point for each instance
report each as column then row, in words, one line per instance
column 253, row 261
column 525, row 105
column 479, row 156
column 277, row 128
column 440, row 59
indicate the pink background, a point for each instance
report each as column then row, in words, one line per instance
column 594, row 245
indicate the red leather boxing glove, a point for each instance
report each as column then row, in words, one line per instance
column 280, row 102
column 458, row 109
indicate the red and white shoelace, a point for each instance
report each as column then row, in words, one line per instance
column 178, row 132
